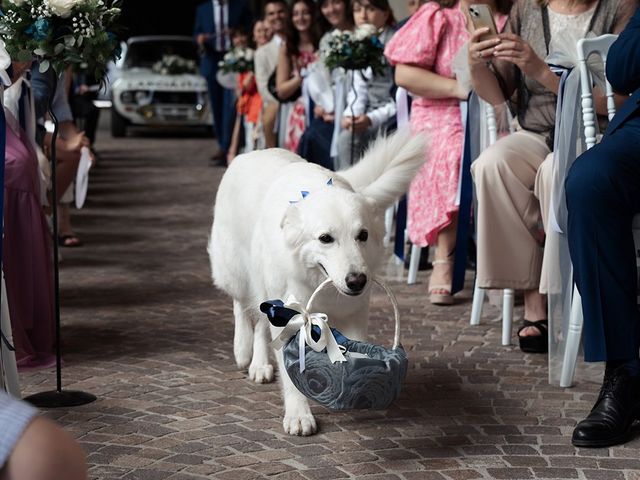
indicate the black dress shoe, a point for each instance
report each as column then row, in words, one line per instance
column 611, row 418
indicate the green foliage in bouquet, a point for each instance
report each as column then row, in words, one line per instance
column 237, row 60
column 174, row 65
column 355, row 51
column 60, row 33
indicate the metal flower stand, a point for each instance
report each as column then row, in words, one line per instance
column 58, row 397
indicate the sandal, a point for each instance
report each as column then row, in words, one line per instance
column 69, row 240
column 535, row 343
column 440, row 294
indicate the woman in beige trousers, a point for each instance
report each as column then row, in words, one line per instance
column 510, row 183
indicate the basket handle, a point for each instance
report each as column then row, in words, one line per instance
column 392, row 298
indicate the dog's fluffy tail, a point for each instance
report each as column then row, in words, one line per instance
column 387, row 167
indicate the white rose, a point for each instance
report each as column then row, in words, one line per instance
column 62, row 8
column 365, row 31
column 17, row 3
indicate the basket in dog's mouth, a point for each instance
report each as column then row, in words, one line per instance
column 326, row 366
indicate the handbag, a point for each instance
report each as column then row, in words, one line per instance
column 271, row 85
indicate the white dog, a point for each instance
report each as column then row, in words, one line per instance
column 282, row 225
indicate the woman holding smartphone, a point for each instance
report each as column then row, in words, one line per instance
column 510, row 175
column 423, row 51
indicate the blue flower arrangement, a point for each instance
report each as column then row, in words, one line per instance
column 60, row 33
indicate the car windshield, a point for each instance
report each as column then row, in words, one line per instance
column 145, row 53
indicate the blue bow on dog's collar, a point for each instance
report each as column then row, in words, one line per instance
column 305, row 193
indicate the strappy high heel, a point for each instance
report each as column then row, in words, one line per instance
column 440, row 298
column 535, row 343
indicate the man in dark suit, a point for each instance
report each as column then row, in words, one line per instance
column 214, row 21
column 603, row 196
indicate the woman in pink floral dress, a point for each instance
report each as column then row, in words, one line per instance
column 423, row 51
column 299, row 51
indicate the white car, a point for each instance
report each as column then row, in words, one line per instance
column 157, row 84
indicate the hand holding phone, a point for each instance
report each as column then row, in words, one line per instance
column 482, row 17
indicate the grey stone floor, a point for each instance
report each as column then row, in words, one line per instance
column 146, row 332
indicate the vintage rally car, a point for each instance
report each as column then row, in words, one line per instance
column 157, row 84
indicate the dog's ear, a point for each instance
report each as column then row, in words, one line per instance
column 291, row 225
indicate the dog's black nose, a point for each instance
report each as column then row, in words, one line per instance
column 355, row 281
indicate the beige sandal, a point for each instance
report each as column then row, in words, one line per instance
column 440, row 298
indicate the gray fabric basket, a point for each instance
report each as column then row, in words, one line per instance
column 361, row 382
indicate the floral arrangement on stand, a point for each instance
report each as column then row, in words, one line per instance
column 237, row 60
column 174, row 65
column 355, row 51
column 60, row 33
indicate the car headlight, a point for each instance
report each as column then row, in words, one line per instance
column 126, row 97
column 143, row 97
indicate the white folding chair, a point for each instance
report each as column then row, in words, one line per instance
column 586, row 48
column 507, row 293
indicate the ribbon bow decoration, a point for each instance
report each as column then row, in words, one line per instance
column 294, row 317
column 568, row 141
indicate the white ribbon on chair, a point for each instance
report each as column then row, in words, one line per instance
column 402, row 107
column 568, row 142
column 339, row 77
column 304, row 323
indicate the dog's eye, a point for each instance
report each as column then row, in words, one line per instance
column 362, row 236
column 325, row 238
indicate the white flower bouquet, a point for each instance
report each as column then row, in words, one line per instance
column 60, row 33
column 355, row 51
column 237, row 60
column 174, row 65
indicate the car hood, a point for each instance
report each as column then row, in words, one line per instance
column 144, row 79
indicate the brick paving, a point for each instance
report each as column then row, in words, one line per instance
column 146, row 332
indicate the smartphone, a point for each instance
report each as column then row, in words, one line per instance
column 481, row 17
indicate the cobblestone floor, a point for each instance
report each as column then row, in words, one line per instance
column 146, row 332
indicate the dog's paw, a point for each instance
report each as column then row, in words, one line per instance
column 303, row 425
column 243, row 358
column 261, row 373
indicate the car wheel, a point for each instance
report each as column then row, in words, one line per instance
column 118, row 124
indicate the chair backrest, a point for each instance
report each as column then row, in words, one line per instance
column 492, row 126
column 587, row 47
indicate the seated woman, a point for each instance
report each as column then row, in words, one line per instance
column 369, row 104
column 26, row 244
column 510, row 231
column 315, row 144
column 299, row 51
column 423, row 52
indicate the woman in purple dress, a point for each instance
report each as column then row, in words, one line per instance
column 26, row 248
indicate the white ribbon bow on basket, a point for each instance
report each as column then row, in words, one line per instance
column 304, row 323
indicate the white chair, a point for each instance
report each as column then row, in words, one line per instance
column 587, row 47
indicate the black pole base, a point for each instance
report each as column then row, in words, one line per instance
column 60, row 398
